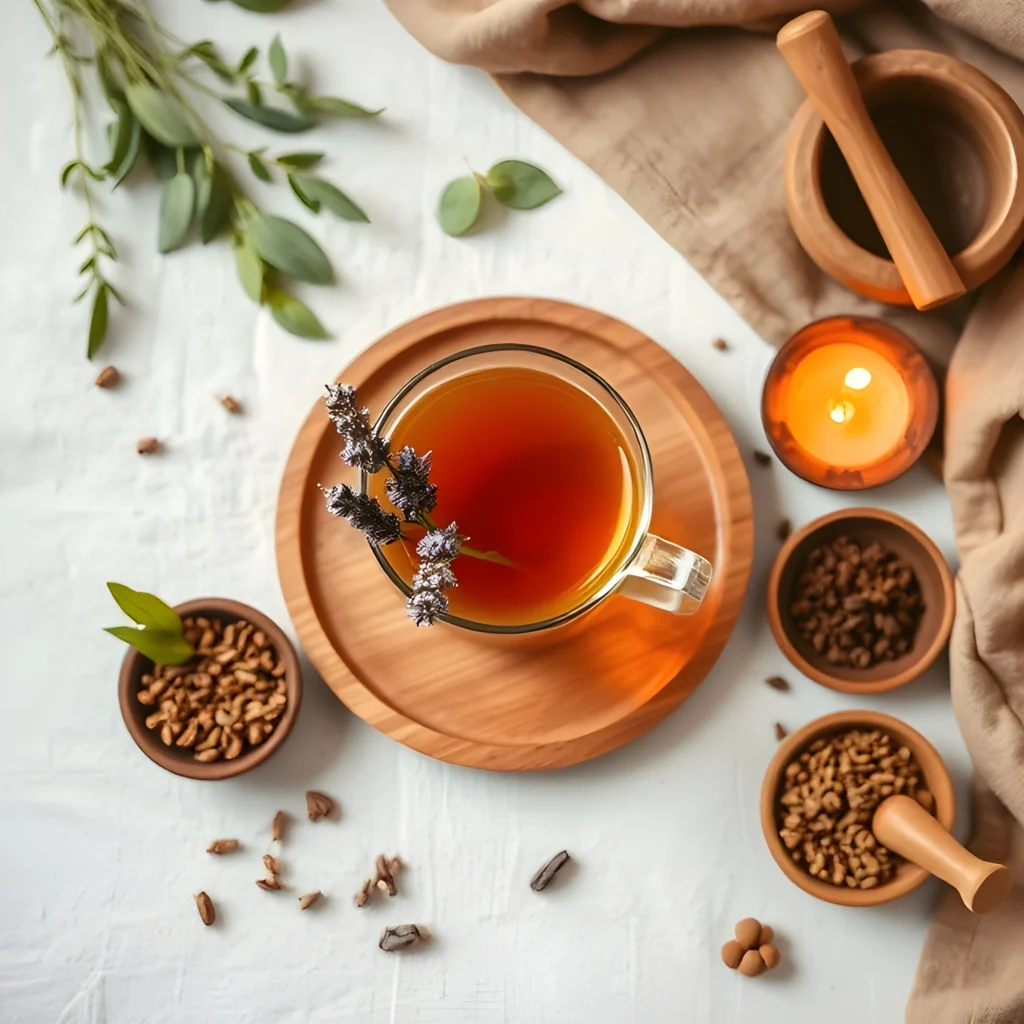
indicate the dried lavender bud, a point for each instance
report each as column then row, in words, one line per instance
column 409, row 490
column 363, row 448
column 426, row 606
column 440, row 545
column 434, row 576
column 364, row 513
column 543, row 877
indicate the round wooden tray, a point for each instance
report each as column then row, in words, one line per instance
column 493, row 702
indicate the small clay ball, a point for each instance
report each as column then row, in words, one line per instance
column 766, row 936
column 770, row 955
column 752, row 965
column 748, row 932
column 732, row 954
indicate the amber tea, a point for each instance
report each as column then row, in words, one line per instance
column 530, row 466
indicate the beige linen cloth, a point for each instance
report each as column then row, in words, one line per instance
column 685, row 114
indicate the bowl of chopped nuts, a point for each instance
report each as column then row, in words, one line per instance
column 227, row 708
column 819, row 798
column 861, row 600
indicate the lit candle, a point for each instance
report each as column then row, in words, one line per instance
column 849, row 403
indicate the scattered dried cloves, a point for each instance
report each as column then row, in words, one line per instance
column 318, row 805
column 205, row 907
column 278, row 826
column 784, row 529
column 109, row 377
column 780, row 731
column 778, row 683
column 543, row 877
column 720, row 344
column 385, row 880
column 401, row 936
column 363, row 895
column 762, row 458
column 220, row 846
column 232, row 405
column 305, row 902
column 147, row 446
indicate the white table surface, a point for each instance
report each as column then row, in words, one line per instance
column 101, row 850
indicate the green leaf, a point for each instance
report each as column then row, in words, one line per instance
column 308, row 201
column 248, row 58
column 300, row 159
column 73, row 165
column 176, row 208
column 300, row 97
column 459, row 207
column 161, row 647
column 90, row 262
column 207, row 53
column 253, row 94
column 291, row 250
column 295, row 316
column 520, row 185
column 250, row 268
column 109, row 84
column 98, row 322
column 333, row 198
column 278, row 60
column 161, row 158
column 82, row 294
column 213, row 199
column 146, row 609
column 259, row 168
column 271, row 117
column 161, row 115
column 342, row 108
column 131, row 157
column 262, row 6
column 122, row 136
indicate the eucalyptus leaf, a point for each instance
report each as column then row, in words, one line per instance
column 207, row 53
column 262, row 6
column 131, row 157
column 213, row 200
column 248, row 59
column 307, row 200
column 250, row 268
column 176, row 208
column 295, row 316
column 337, row 107
column 328, row 195
column 520, row 185
column 459, row 207
column 161, row 158
column 299, row 96
column 253, row 94
column 278, row 60
column 258, row 167
column 160, row 646
column 108, row 83
column 146, row 609
column 288, row 248
column 300, row 159
column 122, row 136
column 161, row 115
column 271, row 117
column 73, row 165
column 98, row 322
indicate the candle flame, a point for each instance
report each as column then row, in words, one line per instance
column 858, row 378
column 840, row 412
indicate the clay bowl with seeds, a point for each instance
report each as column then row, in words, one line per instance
column 913, row 649
column 935, row 779
column 276, row 675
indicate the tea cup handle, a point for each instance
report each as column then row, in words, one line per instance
column 667, row 576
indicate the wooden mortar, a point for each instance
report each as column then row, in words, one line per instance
column 958, row 141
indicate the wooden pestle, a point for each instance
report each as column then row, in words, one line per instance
column 810, row 44
column 906, row 828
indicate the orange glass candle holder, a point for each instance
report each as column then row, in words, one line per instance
column 849, row 403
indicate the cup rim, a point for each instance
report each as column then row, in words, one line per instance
column 641, row 529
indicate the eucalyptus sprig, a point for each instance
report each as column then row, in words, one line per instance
column 158, row 634
column 514, row 183
column 149, row 80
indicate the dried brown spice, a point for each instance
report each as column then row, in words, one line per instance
column 206, row 909
column 720, row 344
column 401, row 936
column 225, row 700
column 543, row 877
column 385, row 879
column 305, row 902
column 318, row 805
column 784, row 529
column 221, row 846
column 780, row 731
column 857, row 606
column 271, row 884
column 232, row 405
column 108, row 377
column 828, row 798
column 751, row 951
column 278, row 826
column 762, row 458
column 363, row 895
column 272, row 864
column 147, row 446
column 778, row 683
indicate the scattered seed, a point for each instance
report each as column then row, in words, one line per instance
column 385, row 880
column 762, row 458
column 318, row 805
column 271, row 884
column 780, row 731
column 543, row 877
column 109, row 377
column 232, row 405
column 721, row 344
column 784, row 529
column 363, row 895
column 401, row 936
column 148, row 446
column 205, row 907
column 206, row 756
column 278, row 827
column 272, row 864
column 305, row 902
column 778, row 683
column 220, row 846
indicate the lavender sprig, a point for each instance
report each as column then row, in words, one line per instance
column 409, row 489
column 365, row 513
column 363, row 448
column 437, row 550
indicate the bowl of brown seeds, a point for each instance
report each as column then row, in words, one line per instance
column 819, row 796
column 861, row 600
column 225, row 711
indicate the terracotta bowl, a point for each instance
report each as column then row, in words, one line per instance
column 181, row 761
column 958, row 140
column 908, row 876
column 914, row 547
